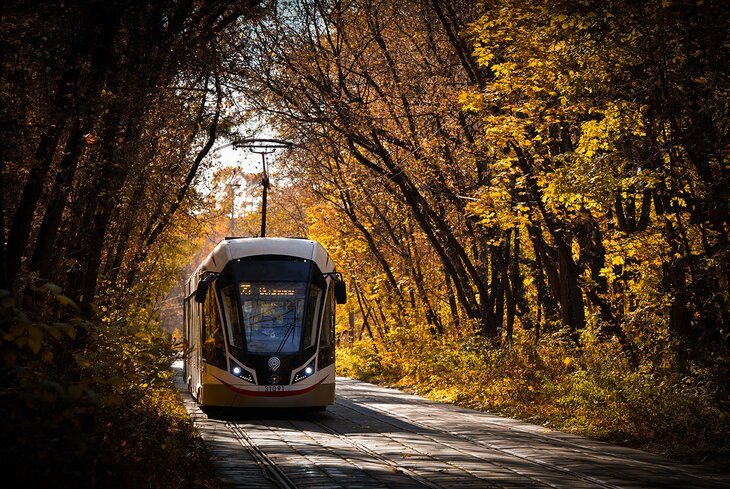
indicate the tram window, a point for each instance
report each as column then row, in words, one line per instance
column 310, row 333
column 213, row 345
column 272, row 315
column 186, row 321
column 328, row 322
column 230, row 311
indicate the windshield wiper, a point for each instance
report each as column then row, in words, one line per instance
column 289, row 331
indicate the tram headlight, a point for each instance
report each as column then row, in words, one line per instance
column 241, row 373
column 303, row 373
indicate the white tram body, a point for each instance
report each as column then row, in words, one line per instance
column 260, row 324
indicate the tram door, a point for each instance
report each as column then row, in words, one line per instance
column 193, row 363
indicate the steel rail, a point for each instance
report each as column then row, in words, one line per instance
column 384, row 460
column 269, row 468
column 556, row 468
column 462, row 469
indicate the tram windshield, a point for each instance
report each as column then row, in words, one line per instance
column 271, row 318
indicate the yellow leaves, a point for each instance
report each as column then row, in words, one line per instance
column 596, row 169
column 484, row 56
column 591, row 140
column 503, row 69
column 638, row 259
column 471, row 101
column 496, row 210
column 617, row 120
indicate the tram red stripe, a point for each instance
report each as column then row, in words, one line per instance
column 254, row 393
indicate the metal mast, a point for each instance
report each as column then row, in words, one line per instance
column 263, row 147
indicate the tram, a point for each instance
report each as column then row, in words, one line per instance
column 260, row 323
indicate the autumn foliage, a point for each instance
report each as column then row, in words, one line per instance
column 108, row 111
column 529, row 200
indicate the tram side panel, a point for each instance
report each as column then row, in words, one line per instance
column 193, row 359
column 213, row 350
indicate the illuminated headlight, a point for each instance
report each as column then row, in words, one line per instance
column 304, row 373
column 241, row 373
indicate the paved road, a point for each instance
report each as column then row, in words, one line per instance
column 375, row 437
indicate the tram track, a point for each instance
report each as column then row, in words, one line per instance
column 558, row 443
column 373, row 439
column 269, row 468
column 310, row 428
column 510, row 453
column 394, row 466
column 277, row 475
column 454, row 449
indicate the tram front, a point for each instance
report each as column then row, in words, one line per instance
column 277, row 316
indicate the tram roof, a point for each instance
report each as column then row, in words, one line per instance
column 233, row 248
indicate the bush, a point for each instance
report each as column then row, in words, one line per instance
column 91, row 404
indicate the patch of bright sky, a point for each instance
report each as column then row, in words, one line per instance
column 224, row 155
column 241, row 158
column 249, row 167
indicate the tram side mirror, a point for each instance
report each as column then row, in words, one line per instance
column 340, row 292
column 201, row 292
column 203, row 286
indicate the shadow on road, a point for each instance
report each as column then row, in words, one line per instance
column 259, row 414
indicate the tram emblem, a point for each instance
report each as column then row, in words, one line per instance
column 274, row 363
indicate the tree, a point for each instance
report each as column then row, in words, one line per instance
column 333, row 77
column 113, row 148
column 596, row 118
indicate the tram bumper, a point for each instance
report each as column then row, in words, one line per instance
column 222, row 393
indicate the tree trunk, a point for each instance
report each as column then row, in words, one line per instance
column 63, row 107
column 571, row 297
column 45, row 242
column 164, row 221
column 101, row 63
column 517, row 288
column 452, row 301
column 436, row 327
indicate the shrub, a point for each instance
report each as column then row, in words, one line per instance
column 592, row 390
column 91, row 404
